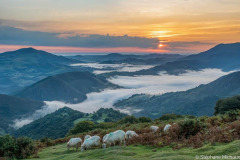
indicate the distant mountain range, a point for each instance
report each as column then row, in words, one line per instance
column 27, row 65
column 33, row 76
column 145, row 60
column 58, row 123
column 223, row 56
column 70, row 87
column 13, row 108
column 116, row 58
column 198, row 101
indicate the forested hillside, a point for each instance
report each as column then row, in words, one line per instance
column 58, row 123
column 198, row 101
column 70, row 87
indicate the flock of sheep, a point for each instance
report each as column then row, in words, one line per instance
column 108, row 140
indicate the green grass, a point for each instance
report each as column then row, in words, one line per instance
column 60, row 152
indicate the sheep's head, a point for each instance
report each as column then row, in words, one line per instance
column 82, row 148
column 104, row 145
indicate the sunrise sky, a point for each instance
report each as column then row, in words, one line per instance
column 125, row 26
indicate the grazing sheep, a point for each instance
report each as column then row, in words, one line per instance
column 104, row 137
column 93, row 141
column 167, row 127
column 129, row 134
column 154, row 128
column 74, row 142
column 113, row 137
column 86, row 137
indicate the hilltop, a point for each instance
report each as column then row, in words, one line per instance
column 27, row 65
column 70, row 87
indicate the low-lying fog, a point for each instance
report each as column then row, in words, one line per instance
column 104, row 68
column 157, row 84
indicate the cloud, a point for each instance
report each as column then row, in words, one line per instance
column 157, row 84
column 15, row 36
column 104, row 68
column 46, row 109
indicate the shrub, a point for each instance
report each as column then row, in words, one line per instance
column 231, row 116
column 83, row 126
column 24, row 147
column 203, row 118
column 16, row 148
column 129, row 119
column 106, row 125
column 47, row 142
column 144, row 119
column 227, row 104
column 190, row 127
column 214, row 121
column 7, row 146
column 169, row 116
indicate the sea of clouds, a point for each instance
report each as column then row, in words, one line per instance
column 104, row 68
column 149, row 84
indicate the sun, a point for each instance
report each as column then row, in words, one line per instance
column 160, row 45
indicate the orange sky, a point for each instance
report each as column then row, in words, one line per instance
column 207, row 22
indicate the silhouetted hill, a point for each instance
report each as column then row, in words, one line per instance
column 223, row 56
column 27, row 65
column 146, row 60
column 116, row 58
column 197, row 101
column 13, row 107
column 70, row 87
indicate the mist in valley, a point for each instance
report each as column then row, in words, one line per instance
column 147, row 84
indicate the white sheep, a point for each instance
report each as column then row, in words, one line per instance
column 129, row 134
column 74, row 142
column 167, row 127
column 154, row 128
column 93, row 141
column 104, row 137
column 86, row 137
column 113, row 137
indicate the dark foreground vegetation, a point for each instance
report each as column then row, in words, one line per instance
column 186, row 132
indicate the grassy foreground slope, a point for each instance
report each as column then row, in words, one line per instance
column 60, row 152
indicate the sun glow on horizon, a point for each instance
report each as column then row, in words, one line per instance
column 183, row 25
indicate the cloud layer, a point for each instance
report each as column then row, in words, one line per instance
column 14, row 36
column 159, row 84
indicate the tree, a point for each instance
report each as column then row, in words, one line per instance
column 129, row 119
column 83, row 126
column 224, row 105
column 144, row 119
column 95, row 117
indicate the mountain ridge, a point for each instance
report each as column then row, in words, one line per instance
column 198, row 101
column 228, row 60
column 70, row 87
column 26, row 66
